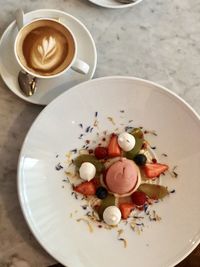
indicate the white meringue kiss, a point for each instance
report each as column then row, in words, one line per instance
column 87, row 171
column 112, row 215
column 126, row 141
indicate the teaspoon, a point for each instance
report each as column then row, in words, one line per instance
column 125, row 1
column 27, row 83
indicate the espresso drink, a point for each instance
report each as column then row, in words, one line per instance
column 45, row 47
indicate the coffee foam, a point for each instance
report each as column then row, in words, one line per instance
column 44, row 56
column 46, row 47
column 47, row 52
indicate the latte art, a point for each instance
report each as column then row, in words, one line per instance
column 48, row 48
column 46, row 53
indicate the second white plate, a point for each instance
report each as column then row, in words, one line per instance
column 113, row 3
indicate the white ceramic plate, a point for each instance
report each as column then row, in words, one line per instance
column 113, row 3
column 47, row 206
column 47, row 89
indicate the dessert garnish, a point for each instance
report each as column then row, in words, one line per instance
column 117, row 176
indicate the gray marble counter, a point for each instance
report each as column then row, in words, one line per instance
column 156, row 40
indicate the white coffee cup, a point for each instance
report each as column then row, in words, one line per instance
column 71, row 60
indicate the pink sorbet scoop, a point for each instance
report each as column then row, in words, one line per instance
column 121, row 177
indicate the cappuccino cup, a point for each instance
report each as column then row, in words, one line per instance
column 46, row 48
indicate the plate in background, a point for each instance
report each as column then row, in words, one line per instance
column 113, row 3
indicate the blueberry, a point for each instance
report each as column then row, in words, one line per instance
column 101, row 192
column 140, row 159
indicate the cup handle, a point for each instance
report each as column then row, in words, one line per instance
column 80, row 66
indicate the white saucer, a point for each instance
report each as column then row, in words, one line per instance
column 47, row 89
column 113, row 3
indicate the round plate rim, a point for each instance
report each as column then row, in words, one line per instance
column 117, row 6
column 27, row 218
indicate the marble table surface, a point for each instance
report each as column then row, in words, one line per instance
column 156, row 40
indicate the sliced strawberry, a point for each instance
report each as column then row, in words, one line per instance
column 86, row 188
column 153, row 170
column 113, row 147
column 126, row 209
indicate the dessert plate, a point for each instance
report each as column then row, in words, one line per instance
column 51, row 88
column 46, row 199
column 113, row 3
